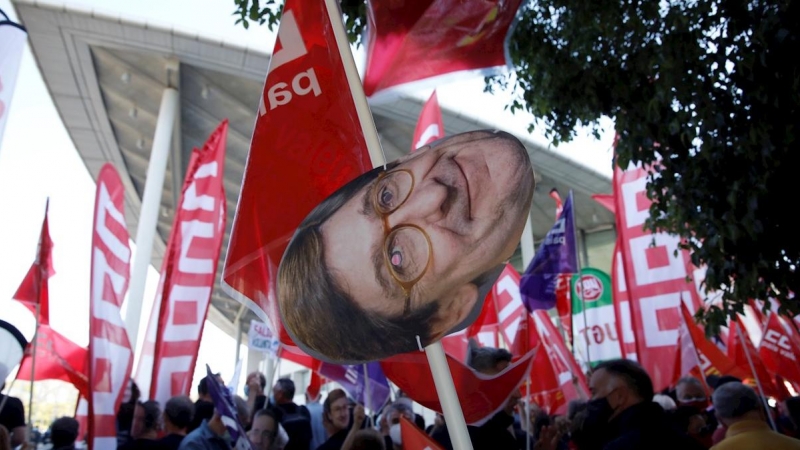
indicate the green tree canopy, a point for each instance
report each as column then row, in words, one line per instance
column 708, row 90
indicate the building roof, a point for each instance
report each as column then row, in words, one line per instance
column 106, row 76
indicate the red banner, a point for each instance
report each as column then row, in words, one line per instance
column 655, row 275
column 430, row 126
column 699, row 356
column 57, row 358
column 415, row 439
column 480, row 396
column 187, row 275
column 110, row 355
column 415, row 40
column 743, row 353
column 292, row 165
column 33, row 290
column 779, row 350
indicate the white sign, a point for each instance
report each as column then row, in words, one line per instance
column 260, row 338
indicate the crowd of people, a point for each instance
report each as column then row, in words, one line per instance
column 623, row 412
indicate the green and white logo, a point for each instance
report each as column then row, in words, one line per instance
column 595, row 330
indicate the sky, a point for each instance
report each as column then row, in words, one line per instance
column 38, row 160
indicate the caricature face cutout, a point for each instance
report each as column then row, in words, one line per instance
column 399, row 258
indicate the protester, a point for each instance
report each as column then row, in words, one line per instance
column 204, row 406
column 264, row 430
column 295, row 419
column 177, row 418
column 622, row 414
column 125, row 413
column 719, row 432
column 254, row 387
column 665, row 401
column 315, row 409
column 740, row 409
column 145, row 426
column 367, row 440
column 12, row 417
column 336, row 413
column 63, row 433
column 210, row 435
column 689, row 391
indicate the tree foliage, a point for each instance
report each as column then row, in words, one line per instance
column 705, row 92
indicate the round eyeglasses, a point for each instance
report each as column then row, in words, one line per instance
column 406, row 247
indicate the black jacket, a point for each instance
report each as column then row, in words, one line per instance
column 646, row 426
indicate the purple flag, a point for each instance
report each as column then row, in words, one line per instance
column 556, row 255
column 351, row 377
column 226, row 408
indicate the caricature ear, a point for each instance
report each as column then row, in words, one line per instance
column 461, row 303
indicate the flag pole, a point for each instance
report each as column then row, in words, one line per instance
column 33, row 364
column 755, row 375
column 443, row 380
column 367, row 396
column 580, row 280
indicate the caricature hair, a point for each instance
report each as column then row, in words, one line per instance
column 321, row 315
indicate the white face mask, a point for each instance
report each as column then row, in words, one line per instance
column 394, row 433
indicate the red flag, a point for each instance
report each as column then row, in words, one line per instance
column 188, row 275
column 571, row 379
column 559, row 204
column 298, row 357
column 779, row 351
column 430, row 126
column 656, row 271
column 415, row 439
column 480, row 396
column 110, row 355
column 743, row 357
column 544, row 387
column 606, row 200
column 708, row 358
column 314, row 385
column 622, row 307
column 507, row 301
column 412, row 41
column 292, row 166
column 33, row 290
column 82, row 416
column 57, row 358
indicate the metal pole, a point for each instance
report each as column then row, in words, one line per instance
column 367, row 397
column 526, row 243
column 151, row 205
column 528, row 424
column 453, row 416
column 33, row 363
column 755, row 376
column 238, row 339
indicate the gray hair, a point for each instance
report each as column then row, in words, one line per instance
column 665, row 401
column 689, row 380
column 485, row 359
column 734, row 400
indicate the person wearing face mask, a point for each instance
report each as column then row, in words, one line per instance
column 622, row 415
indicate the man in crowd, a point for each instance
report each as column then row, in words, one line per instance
column 254, row 387
column 63, row 433
column 210, row 435
column 622, row 412
column 296, row 420
column 177, row 418
column 739, row 408
column 336, row 413
column 204, row 406
column 145, row 426
column 12, row 417
column 689, row 391
column 264, row 430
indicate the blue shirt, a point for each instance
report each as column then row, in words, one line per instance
column 318, row 436
column 203, row 438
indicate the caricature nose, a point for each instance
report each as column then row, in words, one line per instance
column 426, row 204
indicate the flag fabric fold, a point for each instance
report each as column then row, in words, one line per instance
column 430, row 125
column 187, row 275
column 415, row 439
column 57, row 358
column 226, row 409
column 34, row 289
column 353, row 379
column 556, row 255
column 110, row 353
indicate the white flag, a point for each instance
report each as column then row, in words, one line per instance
column 12, row 40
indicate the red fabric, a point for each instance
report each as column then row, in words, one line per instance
column 502, row 307
column 430, row 125
column 34, row 288
column 415, row 40
column 622, row 307
column 656, row 277
column 480, row 395
column 298, row 357
column 606, row 200
column 57, row 358
column 415, row 439
column 739, row 354
column 110, row 354
column 188, row 274
column 779, row 351
column 306, row 144
column 314, row 385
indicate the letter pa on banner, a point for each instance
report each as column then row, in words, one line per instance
column 260, row 338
